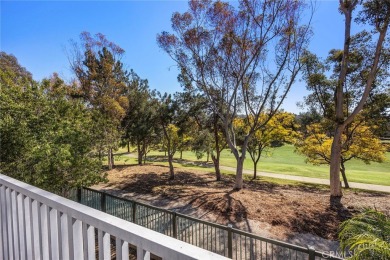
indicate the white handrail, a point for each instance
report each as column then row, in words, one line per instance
column 35, row 223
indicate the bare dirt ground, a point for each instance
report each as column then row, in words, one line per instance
column 299, row 214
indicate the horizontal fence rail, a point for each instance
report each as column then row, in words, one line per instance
column 223, row 240
column 35, row 224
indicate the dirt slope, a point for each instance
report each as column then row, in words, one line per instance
column 294, row 213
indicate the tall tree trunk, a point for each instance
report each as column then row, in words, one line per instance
column 171, row 169
column 239, row 183
column 181, row 155
column 239, row 171
column 256, row 161
column 335, row 162
column 217, row 150
column 335, row 156
column 112, row 159
column 216, row 165
column 230, row 139
column 139, row 150
column 109, row 158
column 208, row 156
column 252, row 155
column 128, row 147
column 170, row 155
column 144, row 149
column 255, row 170
column 347, row 7
column 346, row 185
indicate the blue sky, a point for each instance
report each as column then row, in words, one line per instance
column 37, row 32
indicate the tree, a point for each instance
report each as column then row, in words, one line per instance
column 358, row 142
column 377, row 111
column 281, row 128
column 186, row 122
column 12, row 73
column 103, row 85
column 218, row 145
column 366, row 235
column 224, row 53
column 46, row 136
column 167, row 113
column 140, row 122
column 377, row 14
column 210, row 140
column 205, row 128
column 185, row 142
column 309, row 117
column 356, row 77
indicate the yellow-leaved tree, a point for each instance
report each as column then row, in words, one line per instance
column 172, row 143
column 279, row 129
column 358, row 142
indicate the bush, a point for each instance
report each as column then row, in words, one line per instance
column 366, row 235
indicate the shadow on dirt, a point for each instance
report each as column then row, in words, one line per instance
column 158, row 190
column 323, row 224
column 302, row 208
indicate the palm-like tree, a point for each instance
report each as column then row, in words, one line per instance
column 366, row 235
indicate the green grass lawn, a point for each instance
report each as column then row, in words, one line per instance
column 285, row 161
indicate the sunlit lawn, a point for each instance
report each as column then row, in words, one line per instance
column 284, row 160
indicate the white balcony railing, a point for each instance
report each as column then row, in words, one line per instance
column 36, row 224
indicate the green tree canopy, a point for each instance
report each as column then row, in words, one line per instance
column 103, row 85
column 47, row 137
column 141, row 121
column 168, row 119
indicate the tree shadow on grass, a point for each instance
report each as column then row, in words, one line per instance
column 123, row 153
column 121, row 166
column 182, row 162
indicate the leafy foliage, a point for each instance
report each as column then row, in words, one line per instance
column 47, row 138
column 280, row 128
column 351, row 78
column 204, row 126
column 12, row 73
column 167, row 118
column 103, row 85
column 358, row 142
column 366, row 235
column 141, row 121
column 224, row 53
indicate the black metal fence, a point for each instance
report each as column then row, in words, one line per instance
column 223, row 240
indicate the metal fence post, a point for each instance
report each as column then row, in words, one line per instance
column 230, row 241
column 312, row 253
column 134, row 206
column 174, row 224
column 103, row 202
column 79, row 195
